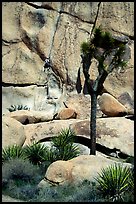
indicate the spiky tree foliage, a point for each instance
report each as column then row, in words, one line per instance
column 109, row 54
column 12, row 152
column 114, row 181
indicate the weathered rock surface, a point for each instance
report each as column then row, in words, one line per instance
column 127, row 101
column 33, row 31
column 29, row 117
column 116, row 132
column 66, row 113
column 76, row 170
column 40, row 131
column 34, row 97
column 113, row 133
column 12, row 132
column 118, row 13
column 81, row 103
column 111, row 106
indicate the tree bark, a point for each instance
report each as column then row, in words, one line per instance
column 93, row 123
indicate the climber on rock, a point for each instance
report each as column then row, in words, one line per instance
column 47, row 63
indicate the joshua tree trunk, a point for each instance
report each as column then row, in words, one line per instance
column 109, row 53
column 93, row 123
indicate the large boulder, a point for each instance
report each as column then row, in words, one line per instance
column 112, row 133
column 45, row 130
column 76, row 170
column 111, row 106
column 12, row 132
column 29, row 117
column 66, row 113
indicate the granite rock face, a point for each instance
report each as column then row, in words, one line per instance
column 12, row 132
column 33, row 31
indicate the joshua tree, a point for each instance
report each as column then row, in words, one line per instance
column 109, row 52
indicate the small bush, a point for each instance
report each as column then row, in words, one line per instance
column 64, row 147
column 36, row 153
column 83, row 192
column 26, row 168
column 11, row 152
column 18, row 171
column 18, row 107
column 114, row 181
column 25, row 192
column 130, row 160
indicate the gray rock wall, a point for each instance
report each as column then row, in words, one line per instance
column 32, row 31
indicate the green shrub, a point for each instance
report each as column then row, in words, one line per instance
column 36, row 153
column 63, row 145
column 130, row 159
column 62, row 148
column 51, row 155
column 23, row 167
column 83, row 192
column 131, row 180
column 114, row 181
column 11, row 152
column 18, row 172
column 25, row 192
column 18, row 107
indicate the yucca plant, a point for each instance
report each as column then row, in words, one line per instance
column 12, row 152
column 131, row 180
column 18, row 107
column 36, row 153
column 64, row 147
column 51, row 154
column 114, row 181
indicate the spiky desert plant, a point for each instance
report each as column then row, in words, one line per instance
column 36, row 153
column 131, row 180
column 51, row 154
column 11, row 152
column 114, row 181
column 64, row 147
column 18, row 107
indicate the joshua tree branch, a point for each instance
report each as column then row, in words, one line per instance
column 98, row 84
